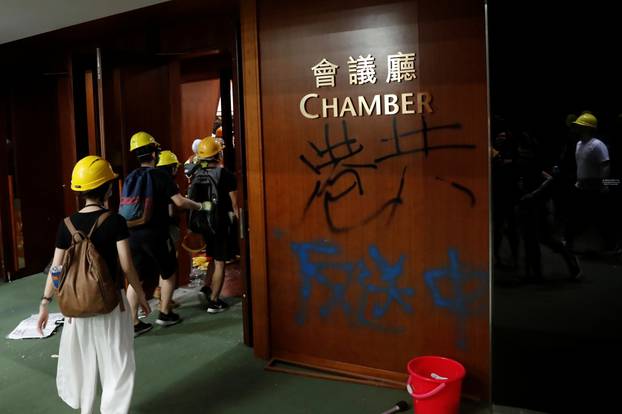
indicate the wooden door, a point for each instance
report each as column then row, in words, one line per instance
column 375, row 152
column 39, row 183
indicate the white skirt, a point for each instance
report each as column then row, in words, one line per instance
column 98, row 346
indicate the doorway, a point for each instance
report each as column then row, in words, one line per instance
column 556, row 309
column 177, row 99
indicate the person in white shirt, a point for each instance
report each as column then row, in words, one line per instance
column 592, row 158
column 591, row 154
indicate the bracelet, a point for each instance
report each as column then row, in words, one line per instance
column 46, row 298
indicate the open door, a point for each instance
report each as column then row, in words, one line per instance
column 36, row 131
column 175, row 98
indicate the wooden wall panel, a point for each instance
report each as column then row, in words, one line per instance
column 199, row 101
column 395, row 264
column 35, row 115
column 146, row 102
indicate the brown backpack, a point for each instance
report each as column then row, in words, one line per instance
column 86, row 287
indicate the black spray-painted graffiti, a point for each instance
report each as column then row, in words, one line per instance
column 324, row 274
column 345, row 174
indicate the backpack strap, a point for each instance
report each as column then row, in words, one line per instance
column 215, row 177
column 99, row 221
column 72, row 230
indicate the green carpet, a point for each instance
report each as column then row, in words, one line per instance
column 199, row 366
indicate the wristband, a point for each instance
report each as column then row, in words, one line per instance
column 46, row 298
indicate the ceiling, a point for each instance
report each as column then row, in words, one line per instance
column 24, row 18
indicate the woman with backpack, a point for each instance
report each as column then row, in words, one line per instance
column 97, row 338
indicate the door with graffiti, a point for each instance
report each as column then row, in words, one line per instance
column 376, row 166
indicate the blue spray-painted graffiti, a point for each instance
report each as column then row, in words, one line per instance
column 461, row 302
column 378, row 286
column 316, row 271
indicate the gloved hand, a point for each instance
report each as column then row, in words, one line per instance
column 206, row 206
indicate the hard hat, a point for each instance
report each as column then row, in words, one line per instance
column 167, row 158
column 219, row 132
column 195, row 145
column 142, row 139
column 208, row 147
column 587, row 120
column 91, row 172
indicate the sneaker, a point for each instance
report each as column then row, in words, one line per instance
column 168, row 319
column 216, row 306
column 141, row 313
column 141, row 327
column 204, row 295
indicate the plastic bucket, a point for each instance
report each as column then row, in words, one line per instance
column 434, row 383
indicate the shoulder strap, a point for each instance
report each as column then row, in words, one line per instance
column 70, row 226
column 73, row 231
column 99, row 221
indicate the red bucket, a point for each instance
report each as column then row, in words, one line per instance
column 434, row 383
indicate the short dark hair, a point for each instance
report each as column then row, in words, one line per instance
column 168, row 168
column 145, row 154
column 98, row 193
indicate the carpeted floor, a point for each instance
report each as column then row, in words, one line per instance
column 199, row 366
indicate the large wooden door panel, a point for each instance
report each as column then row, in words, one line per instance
column 377, row 225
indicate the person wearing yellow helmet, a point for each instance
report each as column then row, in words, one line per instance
column 592, row 167
column 146, row 196
column 591, row 154
column 214, row 184
column 167, row 161
column 90, row 344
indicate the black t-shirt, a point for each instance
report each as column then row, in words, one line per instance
column 227, row 184
column 172, row 218
column 164, row 188
column 105, row 238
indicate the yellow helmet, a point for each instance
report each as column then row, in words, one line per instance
column 587, row 120
column 142, row 139
column 208, row 148
column 167, row 158
column 91, row 172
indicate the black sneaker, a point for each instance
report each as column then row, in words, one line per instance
column 204, row 295
column 168, row 319
column 216, row 306
column 141, row 327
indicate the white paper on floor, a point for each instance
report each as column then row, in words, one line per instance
column 28, row 327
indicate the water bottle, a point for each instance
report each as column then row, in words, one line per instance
column 56, row 271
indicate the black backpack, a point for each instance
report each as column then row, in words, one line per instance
column 204, row 187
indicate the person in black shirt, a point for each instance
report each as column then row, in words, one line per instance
column 168, row 162
column 210, row 153
column 152, row 248
column 100, row 346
